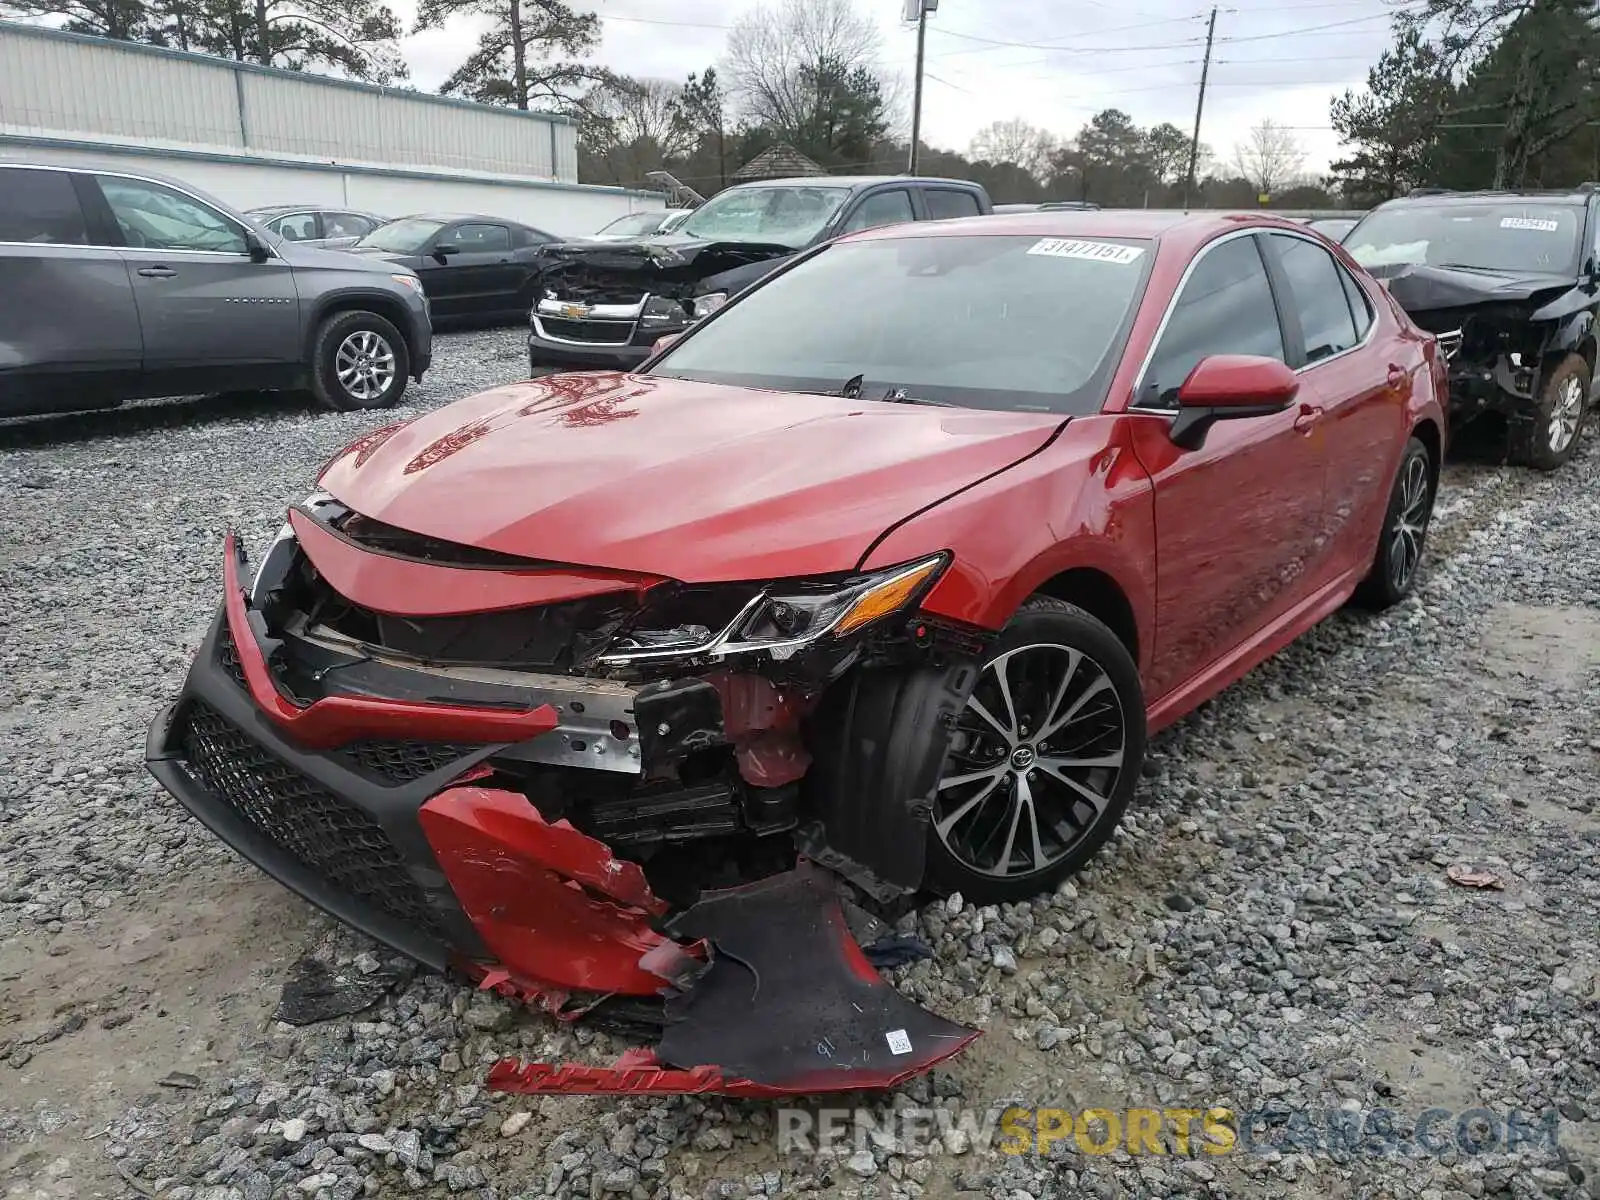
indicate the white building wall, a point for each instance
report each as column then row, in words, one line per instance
column 562, row 209
column 253, row 136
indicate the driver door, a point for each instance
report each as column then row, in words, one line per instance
column 1237, row 519
column 203, row 301
column 479, row 274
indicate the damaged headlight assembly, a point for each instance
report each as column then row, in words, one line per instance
column 784, row 619
column 704, row 306
column 280, row 554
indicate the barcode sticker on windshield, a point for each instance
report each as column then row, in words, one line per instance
column 1078, row 248
column 1538, row 223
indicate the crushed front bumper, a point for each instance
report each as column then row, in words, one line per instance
column 1500, row 386
column 381, row 812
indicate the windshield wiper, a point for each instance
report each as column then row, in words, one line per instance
column 897, row 395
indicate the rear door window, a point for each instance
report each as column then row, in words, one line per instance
column 340, row 225
column 40, row 208
column 946, row 204
column 881, row 208
column 478, row 238
column 1319, row 296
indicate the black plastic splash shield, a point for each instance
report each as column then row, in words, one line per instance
column 790, row 1002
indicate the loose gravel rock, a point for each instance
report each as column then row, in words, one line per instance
column 1273, row 932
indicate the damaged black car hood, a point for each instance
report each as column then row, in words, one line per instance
column 668, row 253
column 1422, row 288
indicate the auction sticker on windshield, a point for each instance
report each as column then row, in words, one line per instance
column 1094, row 251
column 1539, row 223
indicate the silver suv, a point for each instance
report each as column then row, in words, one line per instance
column 115, row 286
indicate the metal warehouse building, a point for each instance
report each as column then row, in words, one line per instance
column 255, row 135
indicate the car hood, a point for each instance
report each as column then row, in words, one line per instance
column 1421, row 288
column 697, row 482
column 298, row 254
column 666, row 253
column 381, row 259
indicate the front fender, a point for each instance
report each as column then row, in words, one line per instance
column 1084, row 502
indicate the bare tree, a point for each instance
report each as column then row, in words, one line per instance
column 1270, row 157
column 810, row 70
column 1015, row 141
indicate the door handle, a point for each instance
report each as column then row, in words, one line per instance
column 1308, row 416
column 1397, row 375
column 157, row 272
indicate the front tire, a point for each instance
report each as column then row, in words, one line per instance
column 358, row 361
column 1043, row 760
column 1398, row 558
column 1558, row 418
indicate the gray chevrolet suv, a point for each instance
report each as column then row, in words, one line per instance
column 116, row 285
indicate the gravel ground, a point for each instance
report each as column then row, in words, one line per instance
column 1274, row 932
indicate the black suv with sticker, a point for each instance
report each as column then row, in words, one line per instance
column 1509, row 283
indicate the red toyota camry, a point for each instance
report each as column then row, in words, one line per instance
column 648, row 695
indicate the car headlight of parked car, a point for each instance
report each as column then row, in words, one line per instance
column 705, row 305
column 411, row 281
column 783, row 619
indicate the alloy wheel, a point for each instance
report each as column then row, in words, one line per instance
column 1565, row 414
column 364, row 364
column 1034, row 760
column 1410, row 525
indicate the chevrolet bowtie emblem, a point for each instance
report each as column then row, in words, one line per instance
column 574, row 310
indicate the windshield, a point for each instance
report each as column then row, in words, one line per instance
column 1001, row 322
column 1505, row 236
column 785, row 216
column 405, row 236
column 635, row 223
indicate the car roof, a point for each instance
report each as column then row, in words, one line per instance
column 448, row 217
column 1185, row 231
column 853, row 181
column 1448, row 199
column 299, row 208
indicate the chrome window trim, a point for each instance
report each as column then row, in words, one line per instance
column 1183, row 281
column 145, row 179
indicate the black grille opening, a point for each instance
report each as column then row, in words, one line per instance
column 324, row 833
column 405, row 762
column 611, row 333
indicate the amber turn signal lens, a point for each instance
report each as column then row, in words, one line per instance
column 890, row 596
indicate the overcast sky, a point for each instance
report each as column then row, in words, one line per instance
column 1054, row 63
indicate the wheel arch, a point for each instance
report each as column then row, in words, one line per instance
column 390, row 308
column 1102, row 597
column 1429, row 434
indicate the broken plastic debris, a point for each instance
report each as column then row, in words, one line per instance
column 314, row 993
column 1474, row 877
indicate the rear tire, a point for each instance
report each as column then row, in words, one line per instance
column 1558, row 416
column 1053, row 799
column 358, row 361
column 1398, row 559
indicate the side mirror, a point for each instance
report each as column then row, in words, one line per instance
column 255, row 247
column 1229, row 387
column 442, row 253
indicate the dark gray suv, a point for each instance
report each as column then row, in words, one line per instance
column 116, row 285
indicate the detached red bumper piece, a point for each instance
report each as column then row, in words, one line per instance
column 789, row 1005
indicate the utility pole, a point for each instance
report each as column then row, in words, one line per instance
column 1199, row 107
column 918, row 11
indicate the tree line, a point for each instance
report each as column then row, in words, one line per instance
column 1476, row 94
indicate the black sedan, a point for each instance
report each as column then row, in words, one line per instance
column 470, row 266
